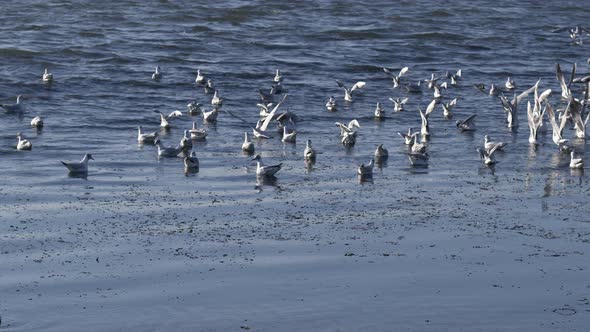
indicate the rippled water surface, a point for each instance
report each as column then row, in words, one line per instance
column 102, row 55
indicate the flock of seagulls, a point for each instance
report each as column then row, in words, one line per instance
column 416, row 141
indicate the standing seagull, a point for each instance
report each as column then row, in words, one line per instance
column 23, row 144
column 576, row 162
column 80, row 167
column 47, row 76
column 331, row 105
column 200, row 79
column 247, row 146
column 348, row 92
column 309, row 152
column 265, row 170
column 398, row 104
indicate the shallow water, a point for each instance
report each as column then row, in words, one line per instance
column 135, row 208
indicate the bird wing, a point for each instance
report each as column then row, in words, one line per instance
column 564, row 88
column 430, row 108
column 271, row 115
column 403, row 71
column 403, row 101
column 551, row 114
column 469, row 119
column 357, row 85
column 387, row 71
column 340, row 84
column 525, row 93
column 353, row 122
column 453, row 102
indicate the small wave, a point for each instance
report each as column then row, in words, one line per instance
column 17, row 52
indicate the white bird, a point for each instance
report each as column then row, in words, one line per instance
column 289, row 136
column 175, row 114
column 157, row 75
column 216, row 100
column 448, row 107
column 467, row 124
column 432, row 81
column 565, row 87
column 211, row 116
column 350, row 128
column 437, row 90
column 454, row 77
column 278, row 77
column 262, row 125
column 194, row 108
column 23, row 144
column 417, row 147
column 37, row 122
column 13, row 108
column 247, row 146
column 398, row 104
column 331, row 105
column 78, row 167
column 200, row 79
column 493, row 91
column 209, row 88
column 511, row 107
column 424, row 129
column 510, row 85
column 557, row 135
column 191, row 162
column 366, row 170
column 381, row 153
column 47, row 76
column 535, row 120
column 146, row 137
column 489, row 145
column 348, row 92
column 576, row 162
column 379, row 111
column 163, row 120
column 396, row 78
column 266, row 170
column 309, row 152
column 409, row 137
column 185, row 142
column 198, row 134
column 487, row 156
column 348, row 139
column 167, row 151
column 418, row 159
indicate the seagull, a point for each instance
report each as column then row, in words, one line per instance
column 23, row 144
column 265, row 170
column 185, row 142
column 37, row 122
column 510, row 85
column 157, row 75
column 487, row 156
column 350, row 128
column 331, row 105
column 565, row 87
column 577, row 110
column 398, row 104
column 211, row 116
column 167, row 151
column 418, row 159
column 467, row 124
column 194, row 108
column 47, row 76
column 247, row 146
column 146, row 137
column 492, row 92
column 309, row 152
column 191, row 162
column 489, row 145
column 418, row 147
column 413, row 88
column 454, row 77
column 216, row 100
column 289, row 136
column 366, row 170
column 200, row 79
column 262, row 125
column 432, row 81
column 576, row 162
column 196, row 133
column 437, row 87
column 175, row 114
column 348, row 139
column 80, row 167
column 163, row 120
column 409, row 137
column 348, row 92
column 379, row 111
column 381, row 153
column 557, row 135
column 209, row 87
column 278, row 77
column 535, row 120
column 13, row 108
column 424, row 129
column 511, row 107
column 396, row 78
column 448, row 107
